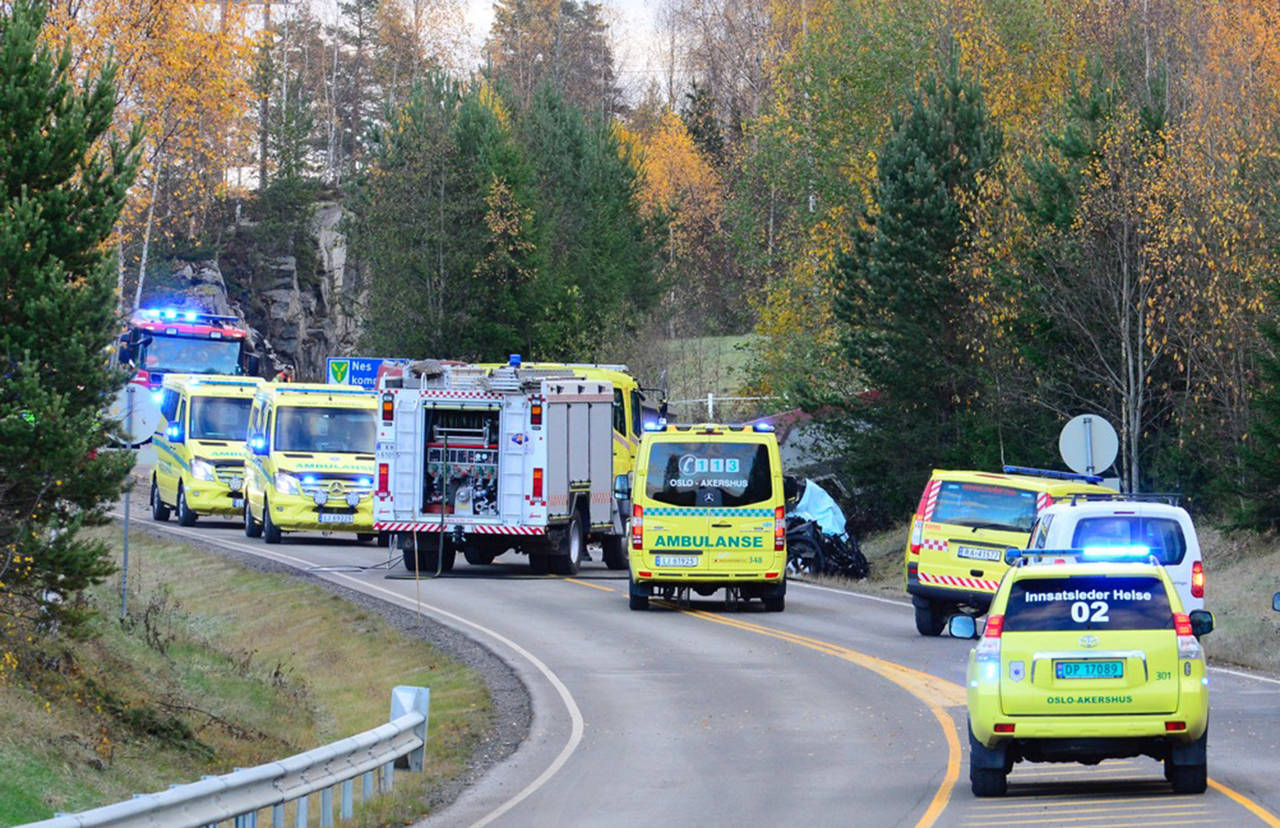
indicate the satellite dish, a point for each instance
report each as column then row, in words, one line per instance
column 137, row 414
column 1088, row 444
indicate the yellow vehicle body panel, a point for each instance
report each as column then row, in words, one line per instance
column 192, row 456
column 323, row 478
column 715, row 543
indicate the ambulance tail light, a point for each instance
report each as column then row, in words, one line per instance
column 535, row 414
column 1188, row 644
column 388, row 407
column 986, row 655
column 537, row 484
column 1197, row 579
column 384, row 473
column 637, row 526
column 917, row 537
column 779, row 529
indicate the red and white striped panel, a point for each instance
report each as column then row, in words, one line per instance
column 1043, row 502
column 981, row 584
column 477, row 529
column 935, row 544
column 469, row 395
column 931, row 498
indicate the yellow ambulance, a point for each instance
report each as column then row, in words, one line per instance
column 708, row 513
column 309, row 460
column 199, row 446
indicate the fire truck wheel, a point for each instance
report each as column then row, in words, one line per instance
column 615, row 551
column 384, row 539
column 478, row 557
column 159, row 511
column 186, row 517
column 365, row 537
column 270, row 532
column 427, row 558
column 539, row 563
column 252, row 529
column 568, row 557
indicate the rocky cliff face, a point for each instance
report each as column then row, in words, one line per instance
column 297, row 319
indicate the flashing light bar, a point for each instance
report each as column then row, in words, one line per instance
column 765, row 428
column 1117, row 552
column 1099, row 552
column 658, row 426
column 1056, row 475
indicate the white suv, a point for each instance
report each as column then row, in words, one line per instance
column 1141, row 523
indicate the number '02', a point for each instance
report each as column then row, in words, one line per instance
column 1082, row 611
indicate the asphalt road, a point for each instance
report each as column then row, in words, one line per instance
column 833, row 713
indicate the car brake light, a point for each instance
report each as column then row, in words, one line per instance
column 388, row 407
column 1004, row 727
column 535, row 414
column 1173, row 726
column 917, row 537
column 537, row 484
column 637, row 526
column 1181, row 623
column 995, row 626
column 383, row 475
column 1197, row 579
column 779, row 529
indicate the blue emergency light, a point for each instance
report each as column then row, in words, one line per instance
column 309, row 479
column 766, row 428
column 514, row 361
column 157, row 396
column 1050, row 473
column 655, row 426
column 1118, row 552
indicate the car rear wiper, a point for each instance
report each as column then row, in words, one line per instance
column 987, row 525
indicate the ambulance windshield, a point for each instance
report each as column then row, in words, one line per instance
column 219, row 418
column 349, row 430
column 711, row 474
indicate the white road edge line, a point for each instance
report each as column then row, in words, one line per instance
column 575, row 714
column 865, row 597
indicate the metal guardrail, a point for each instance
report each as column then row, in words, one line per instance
column 240, row 796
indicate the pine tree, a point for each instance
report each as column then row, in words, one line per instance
column 62, row 187
column 1260, row 452
column 903, row 303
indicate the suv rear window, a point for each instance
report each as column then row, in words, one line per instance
column 709, row 474
column 1092, row 602
column 985, row 506
column 1163, row 536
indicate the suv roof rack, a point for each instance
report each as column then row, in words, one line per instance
column 1059, row 475
column 1170, row 498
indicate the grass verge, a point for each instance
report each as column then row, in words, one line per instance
column 1242, row 573
column 217, row 666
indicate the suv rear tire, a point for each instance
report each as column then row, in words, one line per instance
column 930, row 616
column 988, row 781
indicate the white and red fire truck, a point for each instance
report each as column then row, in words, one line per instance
column 484, row 459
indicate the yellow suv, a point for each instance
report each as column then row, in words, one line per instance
column 1087, row 655
column 309, row 460
column 707, row 514
column 199, row 445
column 961, row 528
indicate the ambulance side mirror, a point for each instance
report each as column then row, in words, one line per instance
column 790, row 487
column 962, row 626
column 622, row 487
column 1201, row 622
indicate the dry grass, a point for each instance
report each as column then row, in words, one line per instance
column 219, row 666
column 1242, row 573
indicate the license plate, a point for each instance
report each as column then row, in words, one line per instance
column 237, row 502
column 978, row 553
column 1088, row 669
column 337, row 518
column 675, row 560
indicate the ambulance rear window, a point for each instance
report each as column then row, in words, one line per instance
column 1091, row 602
column 985, row 506
column 709, row 474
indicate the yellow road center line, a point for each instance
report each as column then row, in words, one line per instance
column 1248, row 804
column 589, row 584
column 921, row 685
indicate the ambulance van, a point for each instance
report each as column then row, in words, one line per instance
column 707, row 513
column 199, row 445
column 309, row 461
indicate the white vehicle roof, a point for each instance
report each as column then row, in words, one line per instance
column 1102, row 508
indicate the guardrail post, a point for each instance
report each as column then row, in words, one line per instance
column 366, row 786
column 347, row 808
column 277, row 816
column 300, row 815
column 326, row 808
column 405, row 699
column 387, row 778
